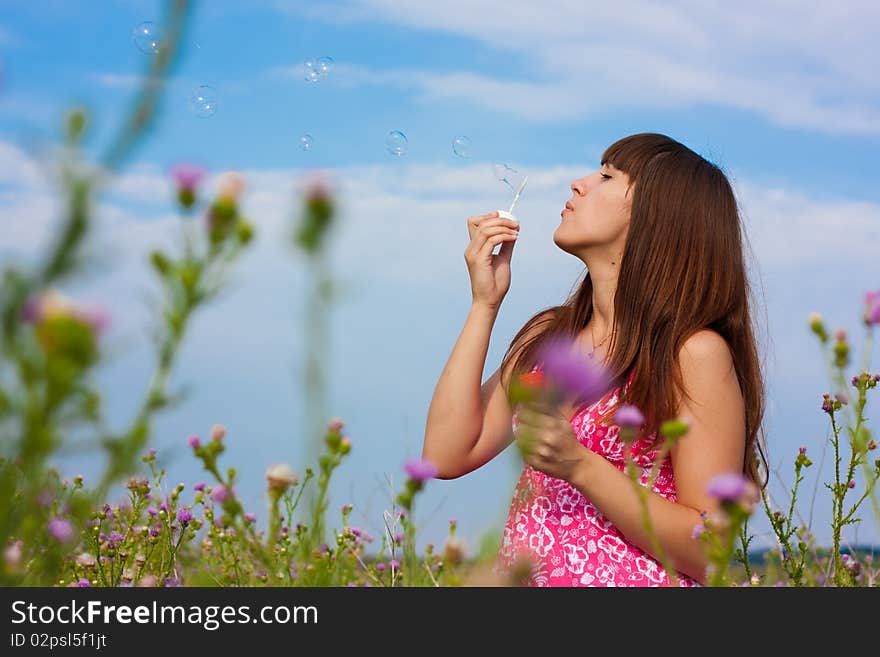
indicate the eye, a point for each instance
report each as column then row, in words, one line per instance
column 605, row 176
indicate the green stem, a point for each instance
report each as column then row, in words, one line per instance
column 642, row 492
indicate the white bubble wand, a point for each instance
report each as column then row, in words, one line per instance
column 509, row 213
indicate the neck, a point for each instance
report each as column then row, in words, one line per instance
column 604, row 286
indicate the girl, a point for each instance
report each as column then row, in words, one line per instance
column 664, row 308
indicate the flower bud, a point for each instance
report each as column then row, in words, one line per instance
column 818, row 327
column 280, row 477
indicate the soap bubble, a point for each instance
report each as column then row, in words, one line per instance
column 147, row 37
column 396, row 142
column 508, row 175
column 313, row 74
column 317, row 69
column 461, row 146
column 305, row 142
column 204, row 101
column 323, row 64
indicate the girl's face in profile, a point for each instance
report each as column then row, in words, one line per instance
column 598, row 211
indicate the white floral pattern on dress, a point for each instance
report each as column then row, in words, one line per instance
column 570, row 542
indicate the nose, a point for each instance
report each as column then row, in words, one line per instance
column 580, row 185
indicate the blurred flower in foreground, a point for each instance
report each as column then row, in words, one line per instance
column 281, row 477
column 187, row 178
column 565, row 374
column 630, row 419
column 872, row 307
column 317, row 214
column 570, row 373
column 223, row 216
column 734, row 488
column 65, row 330
column 54, row 305
column 60, row 530
column 418, row 472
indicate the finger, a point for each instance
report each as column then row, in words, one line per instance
column 505, row 253
column 484, row 234
column 474, row 222
column 482, row 246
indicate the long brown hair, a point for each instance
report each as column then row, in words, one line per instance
column 682, row 271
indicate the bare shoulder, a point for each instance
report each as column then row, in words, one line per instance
column 707, row 367
column 706, row 345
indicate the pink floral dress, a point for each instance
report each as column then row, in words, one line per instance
column 568, row 539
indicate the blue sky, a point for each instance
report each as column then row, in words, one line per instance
column 785, row 99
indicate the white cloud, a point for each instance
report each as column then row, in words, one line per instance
column 390, row 214
column 810, row 69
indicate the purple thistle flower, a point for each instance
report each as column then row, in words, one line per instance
column 802, row 451
column 163, row 506
column 697, row 532
column 727, row 487
column 184, row 516
column 872, row 307
column 220, row 494
column 851, row 484
column 250, row 517
column 398, row 538
column 172, row 581
column 115, row 540
column 629, row 416
column 154, row 531
column 83, row 583
column 394, row 564
column 193, row 441
column 60, row 530
column 572, row 372
column 153, row 511
column 420, row 469
column 199, row 486
column 187, row 176
column 380, row 567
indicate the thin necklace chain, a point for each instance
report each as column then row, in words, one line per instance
column 596, row 346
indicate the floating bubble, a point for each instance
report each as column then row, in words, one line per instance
column 508, row 175
column 461, row 146
column 305, row 142
column 322, row 65
column 147, row 37
column 203, row 101
column 396, row 142
column 313, row 74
